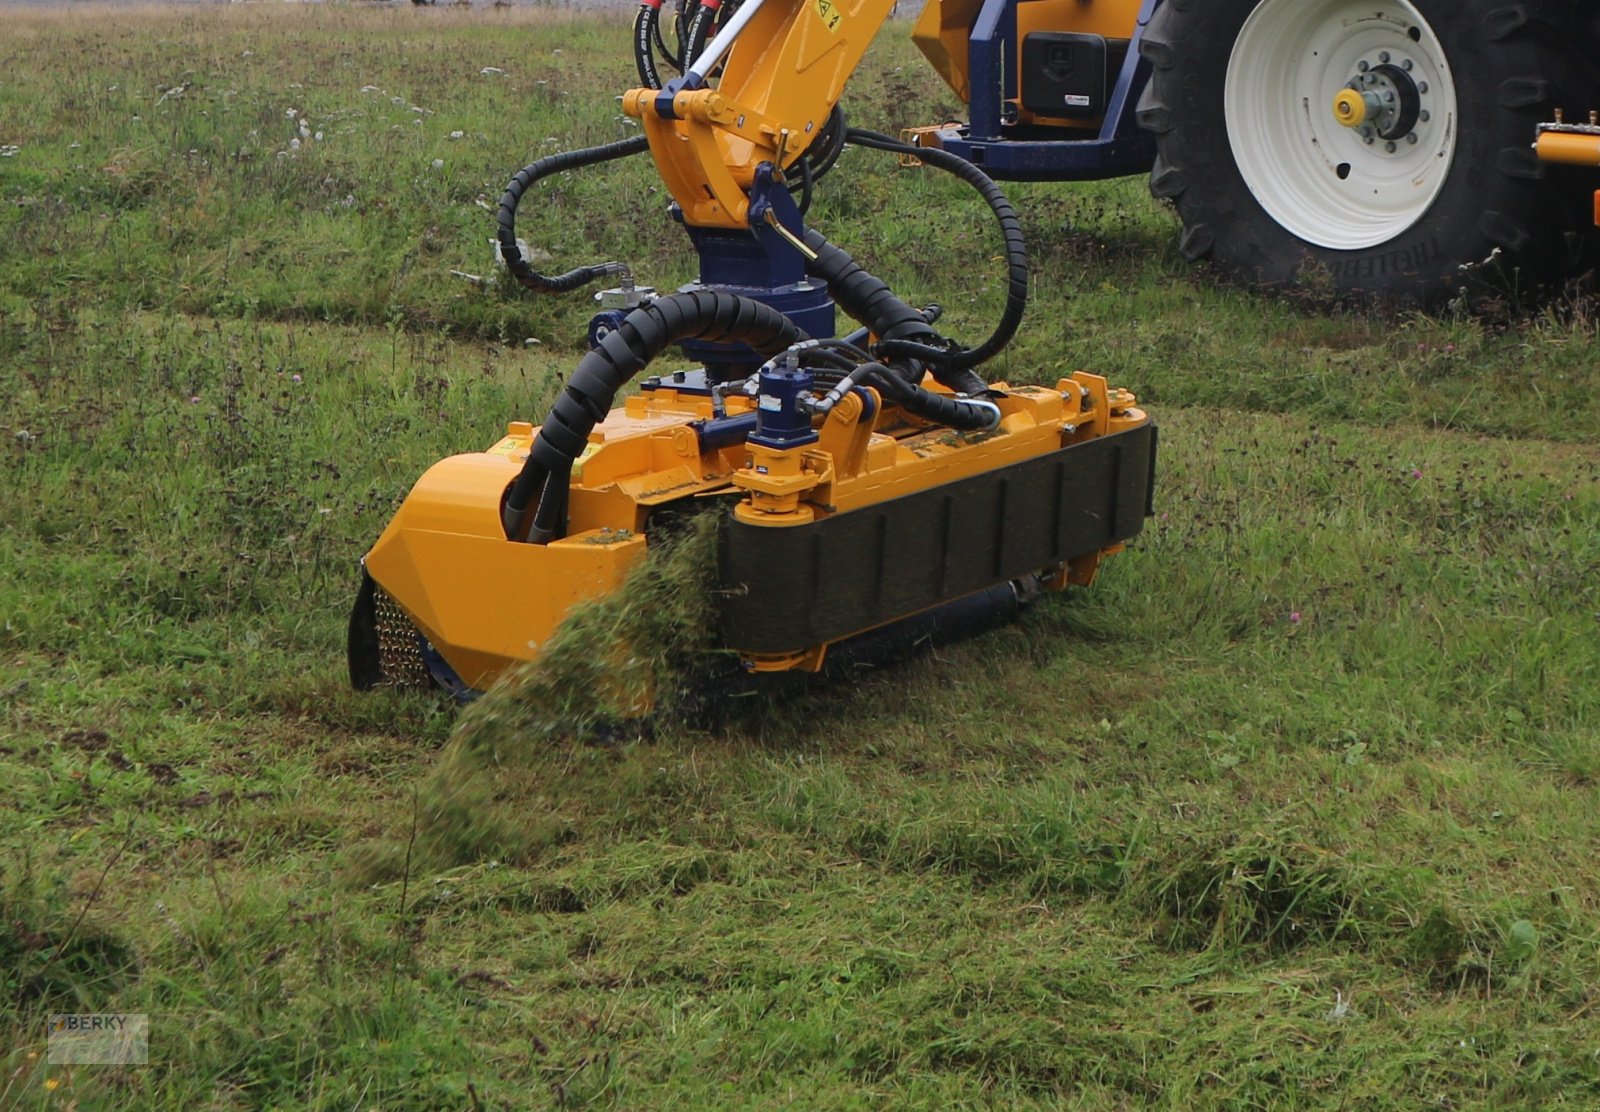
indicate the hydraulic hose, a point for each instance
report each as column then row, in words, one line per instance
column 808, row 184
column 1016, row 253
column 701, row 28
column 819, row 159
column 646, row 33
column 506, row 218
column 680, row 32
column 590, row 392
column 870, row 300
column 830, row 144
column 661, row 43
column 965, row 414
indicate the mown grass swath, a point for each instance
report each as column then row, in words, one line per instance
column 1295, row 808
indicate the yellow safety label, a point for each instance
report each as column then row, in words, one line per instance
column 832, row 13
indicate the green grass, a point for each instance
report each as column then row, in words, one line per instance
column 1294, row 809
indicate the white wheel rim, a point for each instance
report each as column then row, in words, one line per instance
column 1323, row 181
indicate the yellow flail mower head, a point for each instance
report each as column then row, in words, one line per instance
column 872, row 491
column 846, row 536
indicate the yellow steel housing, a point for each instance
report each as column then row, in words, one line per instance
column 945, row 26
column 486, row 603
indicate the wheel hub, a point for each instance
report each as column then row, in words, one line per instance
column 1384, row 102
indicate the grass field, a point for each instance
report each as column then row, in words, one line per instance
column 1296, row 808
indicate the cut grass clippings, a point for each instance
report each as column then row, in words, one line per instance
column 635, row 660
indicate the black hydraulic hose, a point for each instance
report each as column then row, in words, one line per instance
column 866, row 298
column 590, row 392
column 647, row 27
column 808, row 183
column 964, row 414
column 661, row 45
column 680, row 32
column 847, row 348
column 551, row 513
column 701, row 28
column 506, row 218
column 1016, row 253
column 830, row 144
column 870, row 300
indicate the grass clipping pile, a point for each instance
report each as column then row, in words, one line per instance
column 651, row 643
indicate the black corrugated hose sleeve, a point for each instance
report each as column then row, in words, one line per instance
column 871, row 301
column 864, row 297
column 1016, row 252
column 506, row 218
column 590, row 392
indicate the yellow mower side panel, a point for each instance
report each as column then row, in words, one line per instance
column 480, row 601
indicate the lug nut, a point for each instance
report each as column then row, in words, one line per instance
column 1406, row 65
column 1383, row 56
column 1390, row 147
column 1412, row 138
column 1362, row 67
column 1424, row 115
column 1370, row 140
column 1423, row 87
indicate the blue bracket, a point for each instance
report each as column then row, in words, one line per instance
column 770, row 200
column 1121, row 147
column 688, row 83
column 992, row 62
column 763, row 265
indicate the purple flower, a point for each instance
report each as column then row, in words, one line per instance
column 294, row 378
column 195, row 400
column 1294, row 616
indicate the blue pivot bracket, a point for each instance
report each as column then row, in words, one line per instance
column 766, row 264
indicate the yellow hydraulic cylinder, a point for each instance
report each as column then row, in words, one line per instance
column 1571, row 148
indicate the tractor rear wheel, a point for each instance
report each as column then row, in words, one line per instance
column 1379, row 149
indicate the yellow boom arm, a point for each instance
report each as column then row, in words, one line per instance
column 786, row 65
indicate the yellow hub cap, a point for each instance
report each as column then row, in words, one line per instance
column 1350, row 108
